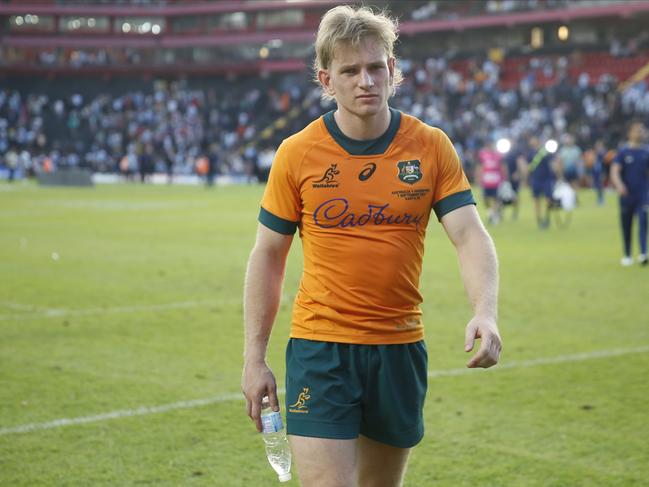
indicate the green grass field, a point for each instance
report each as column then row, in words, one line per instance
column 142, row 308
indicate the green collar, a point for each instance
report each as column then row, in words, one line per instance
column 371, row 147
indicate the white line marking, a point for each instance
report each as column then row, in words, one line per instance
column 522, row 364
column 57, row 313
column 34, row 312
column 19, row 306
column 124, row 413
column 146, row 410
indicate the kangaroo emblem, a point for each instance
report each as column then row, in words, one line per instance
column 330, row 174
column 302, row 398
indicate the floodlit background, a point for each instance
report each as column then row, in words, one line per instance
column 135, row 137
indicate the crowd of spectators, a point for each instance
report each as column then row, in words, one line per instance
column 174, row 127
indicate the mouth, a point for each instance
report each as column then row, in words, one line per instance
column 366, row 97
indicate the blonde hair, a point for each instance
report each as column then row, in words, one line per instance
column 345, row 24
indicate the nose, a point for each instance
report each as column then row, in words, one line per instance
column 366, row 79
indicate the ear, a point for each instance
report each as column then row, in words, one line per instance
column 325, row 81
column 392, row 62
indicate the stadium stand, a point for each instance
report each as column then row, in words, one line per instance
column 82, row 90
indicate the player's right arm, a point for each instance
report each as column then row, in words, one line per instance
column 521, row 169
column 616, row 178
column 262, row 294
column 556, row 166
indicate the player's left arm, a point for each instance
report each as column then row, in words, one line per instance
column 521, row 169
column 479, row 270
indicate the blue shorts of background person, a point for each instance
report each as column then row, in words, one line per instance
column 571, row 174
column 543, row 187
column 490, row 193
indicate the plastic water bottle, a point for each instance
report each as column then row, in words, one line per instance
column 278, row 450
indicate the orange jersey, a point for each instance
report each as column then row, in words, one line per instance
column 362, row 208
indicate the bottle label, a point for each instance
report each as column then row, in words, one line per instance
column 271, row 422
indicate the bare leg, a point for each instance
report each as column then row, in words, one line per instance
column 537, row 210
column 380, row 465
column 321, row 462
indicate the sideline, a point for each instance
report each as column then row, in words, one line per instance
column 37, row 313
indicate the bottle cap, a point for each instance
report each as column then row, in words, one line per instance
column 285, row 477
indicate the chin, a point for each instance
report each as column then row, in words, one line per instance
column 368, row 110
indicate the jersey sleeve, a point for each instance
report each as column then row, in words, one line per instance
column 281, row 204
column 618, row 157
column 451, row 189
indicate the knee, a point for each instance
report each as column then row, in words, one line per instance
column 322, row 468
column 327, row 479
column 370, row 478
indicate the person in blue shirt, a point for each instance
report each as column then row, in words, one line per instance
column 541, row 180
column 597, row 171
column 516, row 165
column 631, row 181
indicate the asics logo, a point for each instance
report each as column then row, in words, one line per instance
column 367, row 171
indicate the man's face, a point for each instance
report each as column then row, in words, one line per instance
column 360, row 78
column 636, row 133
column 535, row 143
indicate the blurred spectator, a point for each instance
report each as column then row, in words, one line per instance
column 516, row 166
column 265, row 161
column 491, row 176
column 629, row 174
column 570, row 162
column 11, row 160
column 213, row 161
column 542, row 179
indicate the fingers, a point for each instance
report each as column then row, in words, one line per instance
column 258, row 384
column 483, row 359
column 469, row 338
column 269, row 397
column 488, row 354
column 255, row 413
column 272, row 397
column 253, row 410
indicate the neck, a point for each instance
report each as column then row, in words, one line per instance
column 633, row 144
column 362, row 128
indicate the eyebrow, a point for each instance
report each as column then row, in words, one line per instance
column 352, row 66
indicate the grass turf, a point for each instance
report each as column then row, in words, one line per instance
column 143, row 308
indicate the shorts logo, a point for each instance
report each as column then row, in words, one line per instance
column 409, row 171
column 368, row 170
column 328, row 180
column 300, row 405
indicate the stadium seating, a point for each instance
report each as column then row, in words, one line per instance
column 97, row 124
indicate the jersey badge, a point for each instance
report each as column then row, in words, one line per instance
column 409, row 171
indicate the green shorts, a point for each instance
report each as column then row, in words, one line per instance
column 340, row 390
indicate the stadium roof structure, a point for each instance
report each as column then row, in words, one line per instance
column 166, row 10
column 34, row 38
